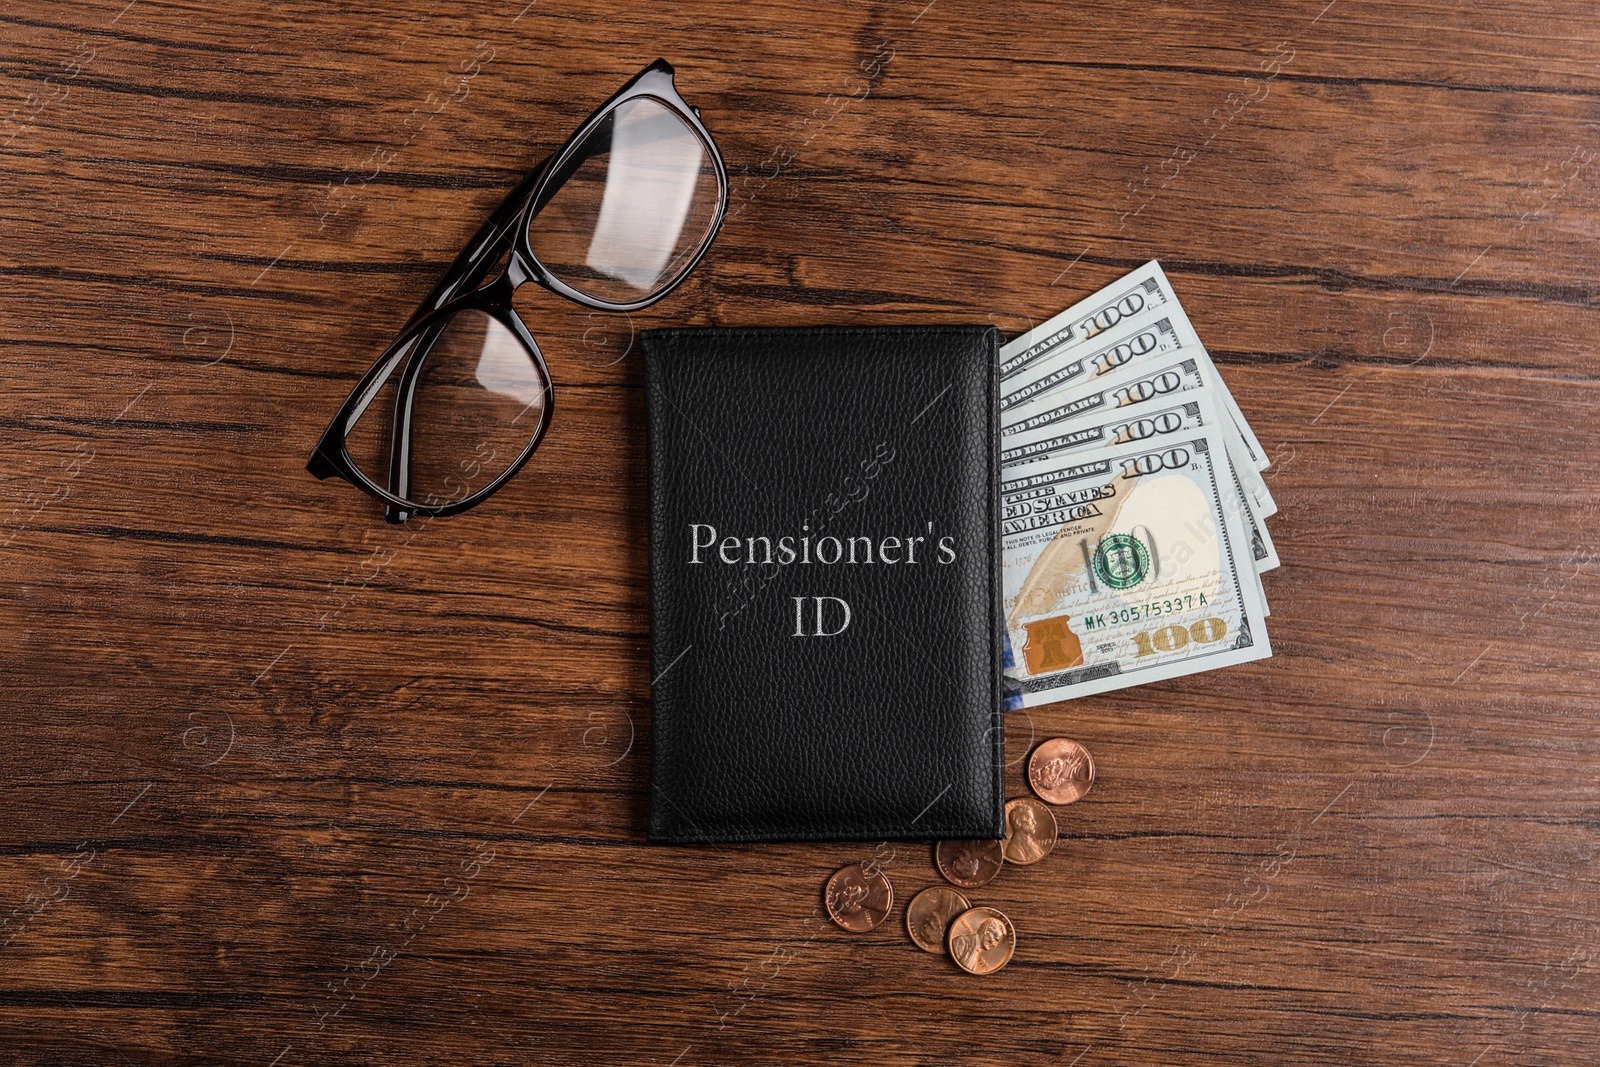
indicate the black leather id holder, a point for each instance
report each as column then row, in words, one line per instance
column 824, row 584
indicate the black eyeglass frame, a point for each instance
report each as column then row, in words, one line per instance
column 513, row 219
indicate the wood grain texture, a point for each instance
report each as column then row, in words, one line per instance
column 284, row 785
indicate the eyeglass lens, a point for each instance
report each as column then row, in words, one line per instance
column 635, row 211
column 477, row 401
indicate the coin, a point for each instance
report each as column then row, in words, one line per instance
column 929, row 913
column 982, row 940
column 968, row 864
column 858, row 901
column 1030, row 831
column 1061, row 770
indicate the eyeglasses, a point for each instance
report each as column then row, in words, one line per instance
column 614, row 220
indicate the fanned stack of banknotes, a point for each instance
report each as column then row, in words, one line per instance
column 1133, row 506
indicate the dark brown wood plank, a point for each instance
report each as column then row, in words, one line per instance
column 285, row 785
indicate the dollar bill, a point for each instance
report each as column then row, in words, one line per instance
column 1255, row 454
column 1066, row 370
column 1263, row 553
column 1143, row 383
column 1088, row 318
column 1126, row 567
column 1057, row 358
column 1041, row 456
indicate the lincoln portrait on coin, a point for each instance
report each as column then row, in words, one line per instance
column 849, row 897
column 1055, row 774
column 966, row 863
column 966, row 947
column 1025, row 835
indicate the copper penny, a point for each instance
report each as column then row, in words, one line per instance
column 1061, row 770
column 929, row 913
column 1030, row 831
column 982, row 941
column 968, row 864
column 858, row 901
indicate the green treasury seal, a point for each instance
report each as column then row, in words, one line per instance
column 1121, row 561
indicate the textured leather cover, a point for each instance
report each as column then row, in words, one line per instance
column 832, row 444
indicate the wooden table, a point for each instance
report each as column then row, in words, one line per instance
column 284, row 785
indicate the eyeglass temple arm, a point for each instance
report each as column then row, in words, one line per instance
column 483, row 251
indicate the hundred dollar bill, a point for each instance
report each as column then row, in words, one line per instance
column 1144, row 383
column 1042, row 456
column 1057, row 363
column 1069, row 369
column 1087, row 318
column 1255, row 454
column 1126, row 570
column 1263, row 553
column 1026, row 481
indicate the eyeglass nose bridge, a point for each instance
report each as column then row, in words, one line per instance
column 498, row 292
